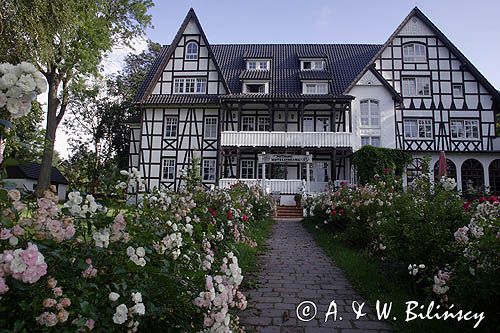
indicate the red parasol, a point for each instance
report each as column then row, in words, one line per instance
column 442, row 165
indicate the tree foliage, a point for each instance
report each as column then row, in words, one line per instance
column 96, row 123
column 67, row 40
column 370, row 161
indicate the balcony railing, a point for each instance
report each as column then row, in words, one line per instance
column 282, row 186
column 286, row 139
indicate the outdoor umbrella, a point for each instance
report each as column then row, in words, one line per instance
column 442, row 164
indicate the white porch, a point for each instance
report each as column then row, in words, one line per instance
column 282, row 186
column 286, row 139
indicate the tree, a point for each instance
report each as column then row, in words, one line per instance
column 67, row 40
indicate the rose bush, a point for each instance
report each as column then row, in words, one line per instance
column 449, row 247
column 168, row 261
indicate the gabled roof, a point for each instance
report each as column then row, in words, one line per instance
column 460, row 56
column 395, row 95
column 165, row 54
column 31, row 170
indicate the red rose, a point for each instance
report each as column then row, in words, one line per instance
column 493, row 198
column 229, row 215
column 334, row 212
column 244, row 218
column 467, row 205
column 482, row 199
column 341, row 211
column 212, row 211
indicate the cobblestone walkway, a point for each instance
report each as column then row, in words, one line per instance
column 294, row 270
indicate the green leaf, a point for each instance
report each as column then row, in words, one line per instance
column 10, row 162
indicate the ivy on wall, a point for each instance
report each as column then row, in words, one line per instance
column 370, row 161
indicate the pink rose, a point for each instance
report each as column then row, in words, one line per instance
column 54, row 226
column 33, row 273
column 5, row 234
column 70, row 231
column 65, row 302
column 51, row 282
column 30, row 255
column 17, row 230
column 57, row 291
column 90, row 324
column 47, row 319
column 49, row 302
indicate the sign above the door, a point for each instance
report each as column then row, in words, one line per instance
column 284, row 158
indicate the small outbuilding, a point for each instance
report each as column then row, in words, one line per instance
column 25, row 176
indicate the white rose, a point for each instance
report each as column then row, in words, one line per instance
column 122, row 308
column 27, row 67
column 113, row 296
column 130, row 251
column 14, row 92
column 139, row 308
column 7, row 68
column 13, row 241
column 124, row 172
column 14, row 107
column 119, row 318
column 26, row 83
column 8, row 80
column 17, row 265
column 140, row 251
column 41, row 82
column 141, row 262
column 137, row 297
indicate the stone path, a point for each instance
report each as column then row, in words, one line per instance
column 294, row 270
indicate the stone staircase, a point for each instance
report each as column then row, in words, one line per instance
column 289, row 212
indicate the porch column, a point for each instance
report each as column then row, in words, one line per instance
column 264, row 175
column 308, row 176
column 239, row 117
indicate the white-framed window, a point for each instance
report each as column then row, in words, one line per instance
column 416, row 86
column 464, row 129
column 247, row 169
column 208, row 170
column 191, row 51
column 315, row 88
column 418, row 128
column 369, row 113
column 190, row 85
column 457, row 90
column 308, row 124
column 312, row 65
column 414, row 52
column 248, row 123
column 210, row 129
column 170, row 127
column 263, row 123
column 370, row 140
column 262, row 65
column 256, row 88
column 168, row 169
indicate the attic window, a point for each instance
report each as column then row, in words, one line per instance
column 414, row 52
column 262, row 65
column 256, row 87
column 312, row 65
column 315, row 88
column 192, row 51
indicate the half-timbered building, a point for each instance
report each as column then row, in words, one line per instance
column 293, row 114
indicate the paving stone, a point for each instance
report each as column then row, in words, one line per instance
column 295, row 269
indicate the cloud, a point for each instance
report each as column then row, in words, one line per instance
column 325, row 16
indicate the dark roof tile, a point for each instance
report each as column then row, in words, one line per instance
column 31, row 170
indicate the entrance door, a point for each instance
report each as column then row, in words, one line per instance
column 308, row 124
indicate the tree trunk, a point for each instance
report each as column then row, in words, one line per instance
column 50, row 136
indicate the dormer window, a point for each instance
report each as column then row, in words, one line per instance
column 256, row 87
column 315, row 88
column 192, row 51
column 414, row 52
column 262, row 65
column 312, row 65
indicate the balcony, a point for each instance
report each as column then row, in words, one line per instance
column 282, row 186
column 286, row 139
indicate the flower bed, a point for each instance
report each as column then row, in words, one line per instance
column 168, row 262
column 447, row 248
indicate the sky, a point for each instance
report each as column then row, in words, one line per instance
column 471, row 25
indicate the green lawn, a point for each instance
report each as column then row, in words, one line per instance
column 365, row 275
column 247, row 255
